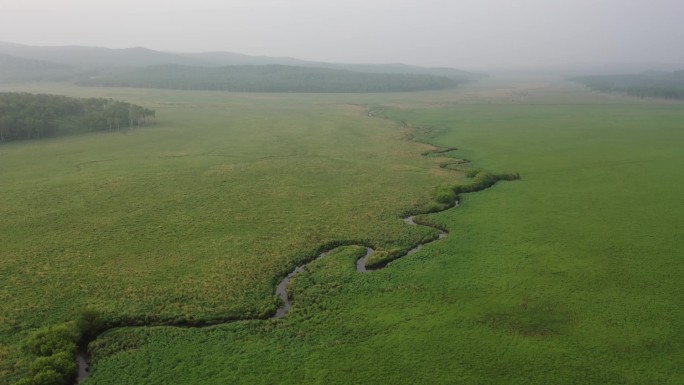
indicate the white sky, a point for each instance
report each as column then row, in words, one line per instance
column 458, row 33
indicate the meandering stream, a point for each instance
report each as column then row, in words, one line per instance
column 281, row 290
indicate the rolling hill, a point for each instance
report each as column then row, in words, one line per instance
column 95, row 57
column 19, row 69
column 270, row 78
column 109, row 60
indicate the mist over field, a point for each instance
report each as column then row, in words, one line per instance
column 463, row 34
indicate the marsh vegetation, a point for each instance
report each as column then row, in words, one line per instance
column 558, row 278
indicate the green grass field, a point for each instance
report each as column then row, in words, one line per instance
column 569, row 276
column 198, row 217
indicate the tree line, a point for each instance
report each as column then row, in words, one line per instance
column 650, row 84
column 270, row 78
column 31, row 116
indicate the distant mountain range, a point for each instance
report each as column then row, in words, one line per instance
column 18, row 69
column 96, row 57
column 270, row 78
column 88, row 62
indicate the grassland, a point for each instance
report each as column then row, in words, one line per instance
column 195, row 219
column 570, row 276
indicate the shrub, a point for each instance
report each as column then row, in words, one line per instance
column 61, row 363
column 378, row 259
column 472, row 172
column 445, row 195
column 482, row 180
column 48, row 377
column 90, row 323
column 56, row 347
column 54, row 339
column 381, row 258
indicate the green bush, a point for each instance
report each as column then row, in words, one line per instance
column 445, row 195
column 48, row 377
column 90, row 323
column 378, row 259
column 24, row 381
column 472, row 172
column 482, row 180
column 54, row 339
column 56, row 347
column 62, row 363
column 382, row 257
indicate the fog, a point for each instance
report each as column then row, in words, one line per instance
column 469, row 34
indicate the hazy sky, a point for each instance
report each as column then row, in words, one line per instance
column 459, row 33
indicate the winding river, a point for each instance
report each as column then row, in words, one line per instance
column 281, row 290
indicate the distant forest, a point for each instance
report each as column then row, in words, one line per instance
column 30, row 116
column 270, row 78
column 652, row 84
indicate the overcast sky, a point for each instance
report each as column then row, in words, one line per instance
column 457, row 33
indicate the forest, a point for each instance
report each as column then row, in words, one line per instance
column 649, row 84
column 270, row 78
column 31, row 116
